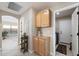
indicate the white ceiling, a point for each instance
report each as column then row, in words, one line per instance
column 36, row 5
column 65, row 13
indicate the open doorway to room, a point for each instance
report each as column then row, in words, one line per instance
column 66, row 32
column 9, row 35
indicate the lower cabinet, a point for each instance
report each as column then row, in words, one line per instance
column 35, row 45
column 41, row 45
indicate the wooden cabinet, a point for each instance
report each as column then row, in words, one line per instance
column 38, row 20
column 43, row 18
column 41, row 46
column 35, row 44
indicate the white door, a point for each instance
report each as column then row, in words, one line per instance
column 74, row 32
column 65, row 30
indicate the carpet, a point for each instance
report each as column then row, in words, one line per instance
column 62, row 49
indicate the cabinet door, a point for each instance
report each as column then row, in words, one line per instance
column 38, row 20
column 47, row 46
column 45, row 18
column 41, row 46
column 35, row 45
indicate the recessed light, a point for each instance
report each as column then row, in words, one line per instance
column 58, row 13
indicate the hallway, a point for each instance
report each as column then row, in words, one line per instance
column 10, row 47
column 33, row 27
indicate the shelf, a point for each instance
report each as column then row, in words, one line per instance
column 24, row 44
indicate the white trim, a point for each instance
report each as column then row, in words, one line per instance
column 52, row 54
column 68, row 7
column 30, row 51
column 53, row 32
column 18, row 31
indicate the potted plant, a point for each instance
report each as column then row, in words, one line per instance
column 4, row 34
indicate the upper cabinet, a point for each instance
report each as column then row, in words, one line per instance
column 38, row 20
column 45, row 21
column 43, row 18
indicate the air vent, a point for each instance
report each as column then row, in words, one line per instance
column 14, row 6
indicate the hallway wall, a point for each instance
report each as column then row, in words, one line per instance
column 27, row 25
column 63, row 27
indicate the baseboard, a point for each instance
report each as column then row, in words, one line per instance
column 51, row 54
column 30, row 51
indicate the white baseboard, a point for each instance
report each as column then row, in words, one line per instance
column 30, row 51
column 51, row 54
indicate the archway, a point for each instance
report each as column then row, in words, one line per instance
column 9, row 35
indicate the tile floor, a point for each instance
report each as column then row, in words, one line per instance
column 10, row 47
column 16, row 52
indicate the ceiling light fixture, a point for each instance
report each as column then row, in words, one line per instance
column 58, row 13
column 14, row 6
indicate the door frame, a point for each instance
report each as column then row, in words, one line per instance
column 78, row 31
column 17, row 24
column 54, row 21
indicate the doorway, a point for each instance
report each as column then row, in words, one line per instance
column 9, row 35
column 64, row 34
column 65, row 44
